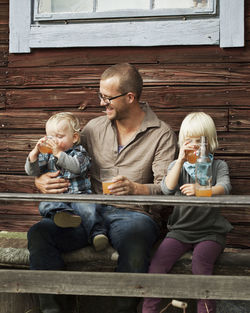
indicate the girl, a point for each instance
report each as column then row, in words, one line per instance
column 202, row 230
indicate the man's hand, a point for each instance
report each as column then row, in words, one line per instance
column 50, row 183
column 121, row 185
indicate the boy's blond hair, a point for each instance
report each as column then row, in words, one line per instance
column 72, row 121
column 198, row 124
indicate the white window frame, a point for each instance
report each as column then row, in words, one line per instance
column 211, row 9
column 226, row 29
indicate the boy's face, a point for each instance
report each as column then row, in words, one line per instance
column 63, row 134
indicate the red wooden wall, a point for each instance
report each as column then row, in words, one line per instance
column 177, row 80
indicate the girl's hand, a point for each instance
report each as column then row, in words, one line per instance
column 188, row 189
column 189, row 144
column 182, row 153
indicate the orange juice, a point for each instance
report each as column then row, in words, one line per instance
column 45, row 149
column 105, row 185
column 191, row 156
column 203, row 192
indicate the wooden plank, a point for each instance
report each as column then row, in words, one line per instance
column 18, row 119
column 159, row 97
column 34, row 120
column 215, row 201
column 18, row 223
column 241, row 215
column 2, row 99
column 247, row 30
column 4, row 35
column 14, row 208
column 233, row 143
column 125, row 33
column 126, row 284
column 231, row 23
column 137, row 55
column 12, row 161
column 23, row 183
column 239, row 236
column 3, row 54
column 3, row 74
column 240, row 186
column 239, row 119
column 4, row 13
column 180, row 74
column 8, row 183
column 238, row 166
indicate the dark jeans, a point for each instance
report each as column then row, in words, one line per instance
column 132, row 234
column 91, row 220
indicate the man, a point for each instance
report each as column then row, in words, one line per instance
column 131, row 145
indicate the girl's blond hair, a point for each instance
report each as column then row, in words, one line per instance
column 72, row 121
column 198, row 124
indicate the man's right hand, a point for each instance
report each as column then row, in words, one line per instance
column 50, row 183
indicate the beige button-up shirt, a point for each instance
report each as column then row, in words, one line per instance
column 144, row 159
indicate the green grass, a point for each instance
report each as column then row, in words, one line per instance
column 17, row 235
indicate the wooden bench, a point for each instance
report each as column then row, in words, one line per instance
column 93, row 271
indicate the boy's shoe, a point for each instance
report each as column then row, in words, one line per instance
column 65, row 219
column 100, row 242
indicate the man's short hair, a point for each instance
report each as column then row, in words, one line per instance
column 130, row 79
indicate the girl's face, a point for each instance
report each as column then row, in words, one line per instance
column 193, row 141
column 63, row 135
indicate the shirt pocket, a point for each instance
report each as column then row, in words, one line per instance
column 133, row 175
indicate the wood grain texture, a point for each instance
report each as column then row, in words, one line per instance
column 136, row 55
column 126, row 284
column 177, row 80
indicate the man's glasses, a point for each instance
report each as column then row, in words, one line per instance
column 107, row 100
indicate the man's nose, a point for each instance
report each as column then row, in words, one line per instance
column 102, row 102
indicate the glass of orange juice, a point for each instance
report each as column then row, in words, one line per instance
column 203, row 192
column 192, row 155
column 105, row 185
column 44, row 148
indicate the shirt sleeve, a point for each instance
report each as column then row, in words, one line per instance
column 164, row 155
column 221, row 174
column 164, row 187
column 77, row 163
column 32, row 168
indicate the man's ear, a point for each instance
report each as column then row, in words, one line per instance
column 131, row 96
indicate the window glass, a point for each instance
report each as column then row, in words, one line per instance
column 87, row 6
column 109, row 5
column 67, row 6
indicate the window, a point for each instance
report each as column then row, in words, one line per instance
column 97, row 23
column 91, row 9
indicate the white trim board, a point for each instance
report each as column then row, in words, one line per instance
column 150, row 33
